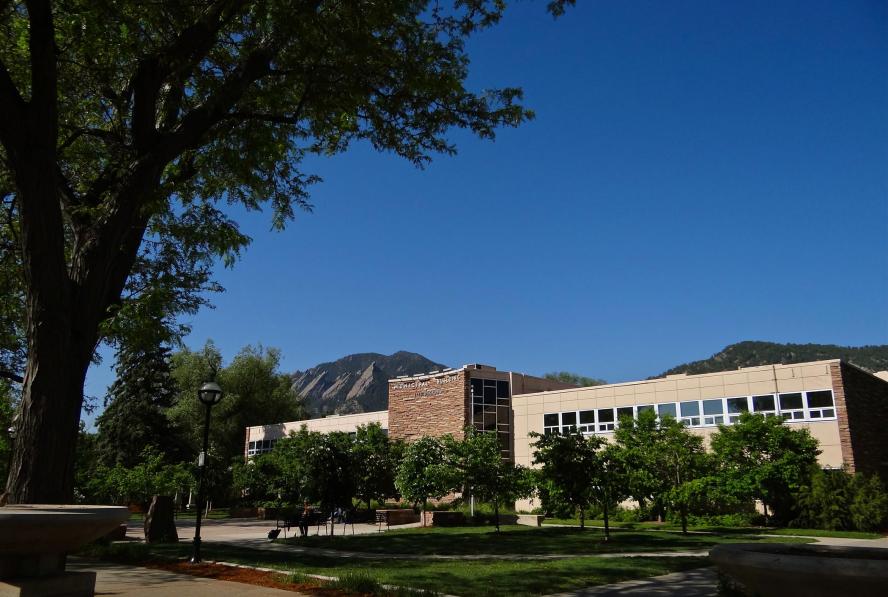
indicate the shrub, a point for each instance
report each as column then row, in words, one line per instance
column 837, row 501
column 869, row 505
column 358, row 582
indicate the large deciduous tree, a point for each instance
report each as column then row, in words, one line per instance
column 126, row 126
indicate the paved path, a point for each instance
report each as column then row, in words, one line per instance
column 135, row 581
column 700, row 582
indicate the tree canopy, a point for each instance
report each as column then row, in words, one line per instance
column 126, row 128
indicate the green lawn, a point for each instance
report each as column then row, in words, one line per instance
column 718, row 529
column 465, row 578
column 520, row 540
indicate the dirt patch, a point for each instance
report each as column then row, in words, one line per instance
column 247, row 576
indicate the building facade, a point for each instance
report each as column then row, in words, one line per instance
column 434, row 403
column 843, row 407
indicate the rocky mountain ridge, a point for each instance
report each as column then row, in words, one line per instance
column 356, row 383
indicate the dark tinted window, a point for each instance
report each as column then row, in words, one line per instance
column 605, row 415
column 550, row 420
column 502, row 389
column 623, row 412
column 738, row 405
column 645, row 408
column 690, row 409
column 713, row 407
column 477, row 388
column 569, row 418
column 587, row 417
column 790, row 401
column 820, row 399
column 666, row 409
column 760, row 403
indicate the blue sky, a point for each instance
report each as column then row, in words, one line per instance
column 698, row 173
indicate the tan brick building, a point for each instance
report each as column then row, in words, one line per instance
column 434, row 403
column 844, row 408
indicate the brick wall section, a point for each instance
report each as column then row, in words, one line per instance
column 428, row 406
column 862, row 410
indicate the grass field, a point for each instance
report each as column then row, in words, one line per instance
column 496, row 578
column 518, row 539
column 718, row 529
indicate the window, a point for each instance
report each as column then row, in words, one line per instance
column 550, row 423
column 690, row 413
column 713, row 412
column 735, row 407
column 587, row 421
column 667, row 409
column 644, row 408
column 605, row 419
column 623, row 412
column 764, row 405
column 490, row 407
column 568, row 422
column 820, row 404
column 791, row 407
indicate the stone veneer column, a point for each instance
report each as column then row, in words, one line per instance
column 435, row 405
column 838, row 383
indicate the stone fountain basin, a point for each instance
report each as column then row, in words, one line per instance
column 35, row 529
column 789, row 569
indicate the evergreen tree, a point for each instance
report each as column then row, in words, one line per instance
column 135, row 414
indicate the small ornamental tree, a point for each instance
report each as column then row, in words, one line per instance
column 424, row 473
column 640, row 457
column 374, row 465
column 571, row 465
column 682, row 461
column 762, row 458
column 480, row 470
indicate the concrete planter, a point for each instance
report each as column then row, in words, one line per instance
column 443, row 519
column 399, row 516
column 531, row 520
column 786, row 570
column 36, row 538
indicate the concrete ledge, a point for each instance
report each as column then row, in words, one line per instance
column 531, row 520
column 443, row 519
column 67, row 584
column 782, row 569
column 402, row 516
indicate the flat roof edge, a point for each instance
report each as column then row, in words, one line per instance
column 690, row 376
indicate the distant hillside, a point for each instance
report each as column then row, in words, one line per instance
column 751, row 353
column 356, row 383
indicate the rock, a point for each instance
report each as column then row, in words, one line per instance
column 160, row 526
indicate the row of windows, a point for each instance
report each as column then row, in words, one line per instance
column 260, row 446
column 792, row 406
column 491, row 411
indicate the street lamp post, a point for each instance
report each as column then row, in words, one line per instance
column 210, row 394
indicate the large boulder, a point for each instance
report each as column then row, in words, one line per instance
column 160, row 525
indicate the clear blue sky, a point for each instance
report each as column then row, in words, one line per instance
column 699, row 173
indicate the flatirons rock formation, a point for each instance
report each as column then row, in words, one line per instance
column 356, row 383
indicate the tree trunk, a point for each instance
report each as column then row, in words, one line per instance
column 684, row 520
column 607, row 534
column 496, row 513
column 52, row 395
column 582, row 517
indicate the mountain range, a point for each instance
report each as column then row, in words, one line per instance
column 359, row 382
column 356, row 383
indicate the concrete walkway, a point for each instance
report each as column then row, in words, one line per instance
column 700, row 582
column 135, row 581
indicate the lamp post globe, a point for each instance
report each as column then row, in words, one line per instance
column 209, row 394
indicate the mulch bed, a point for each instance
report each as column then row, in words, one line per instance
column 244, row 575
